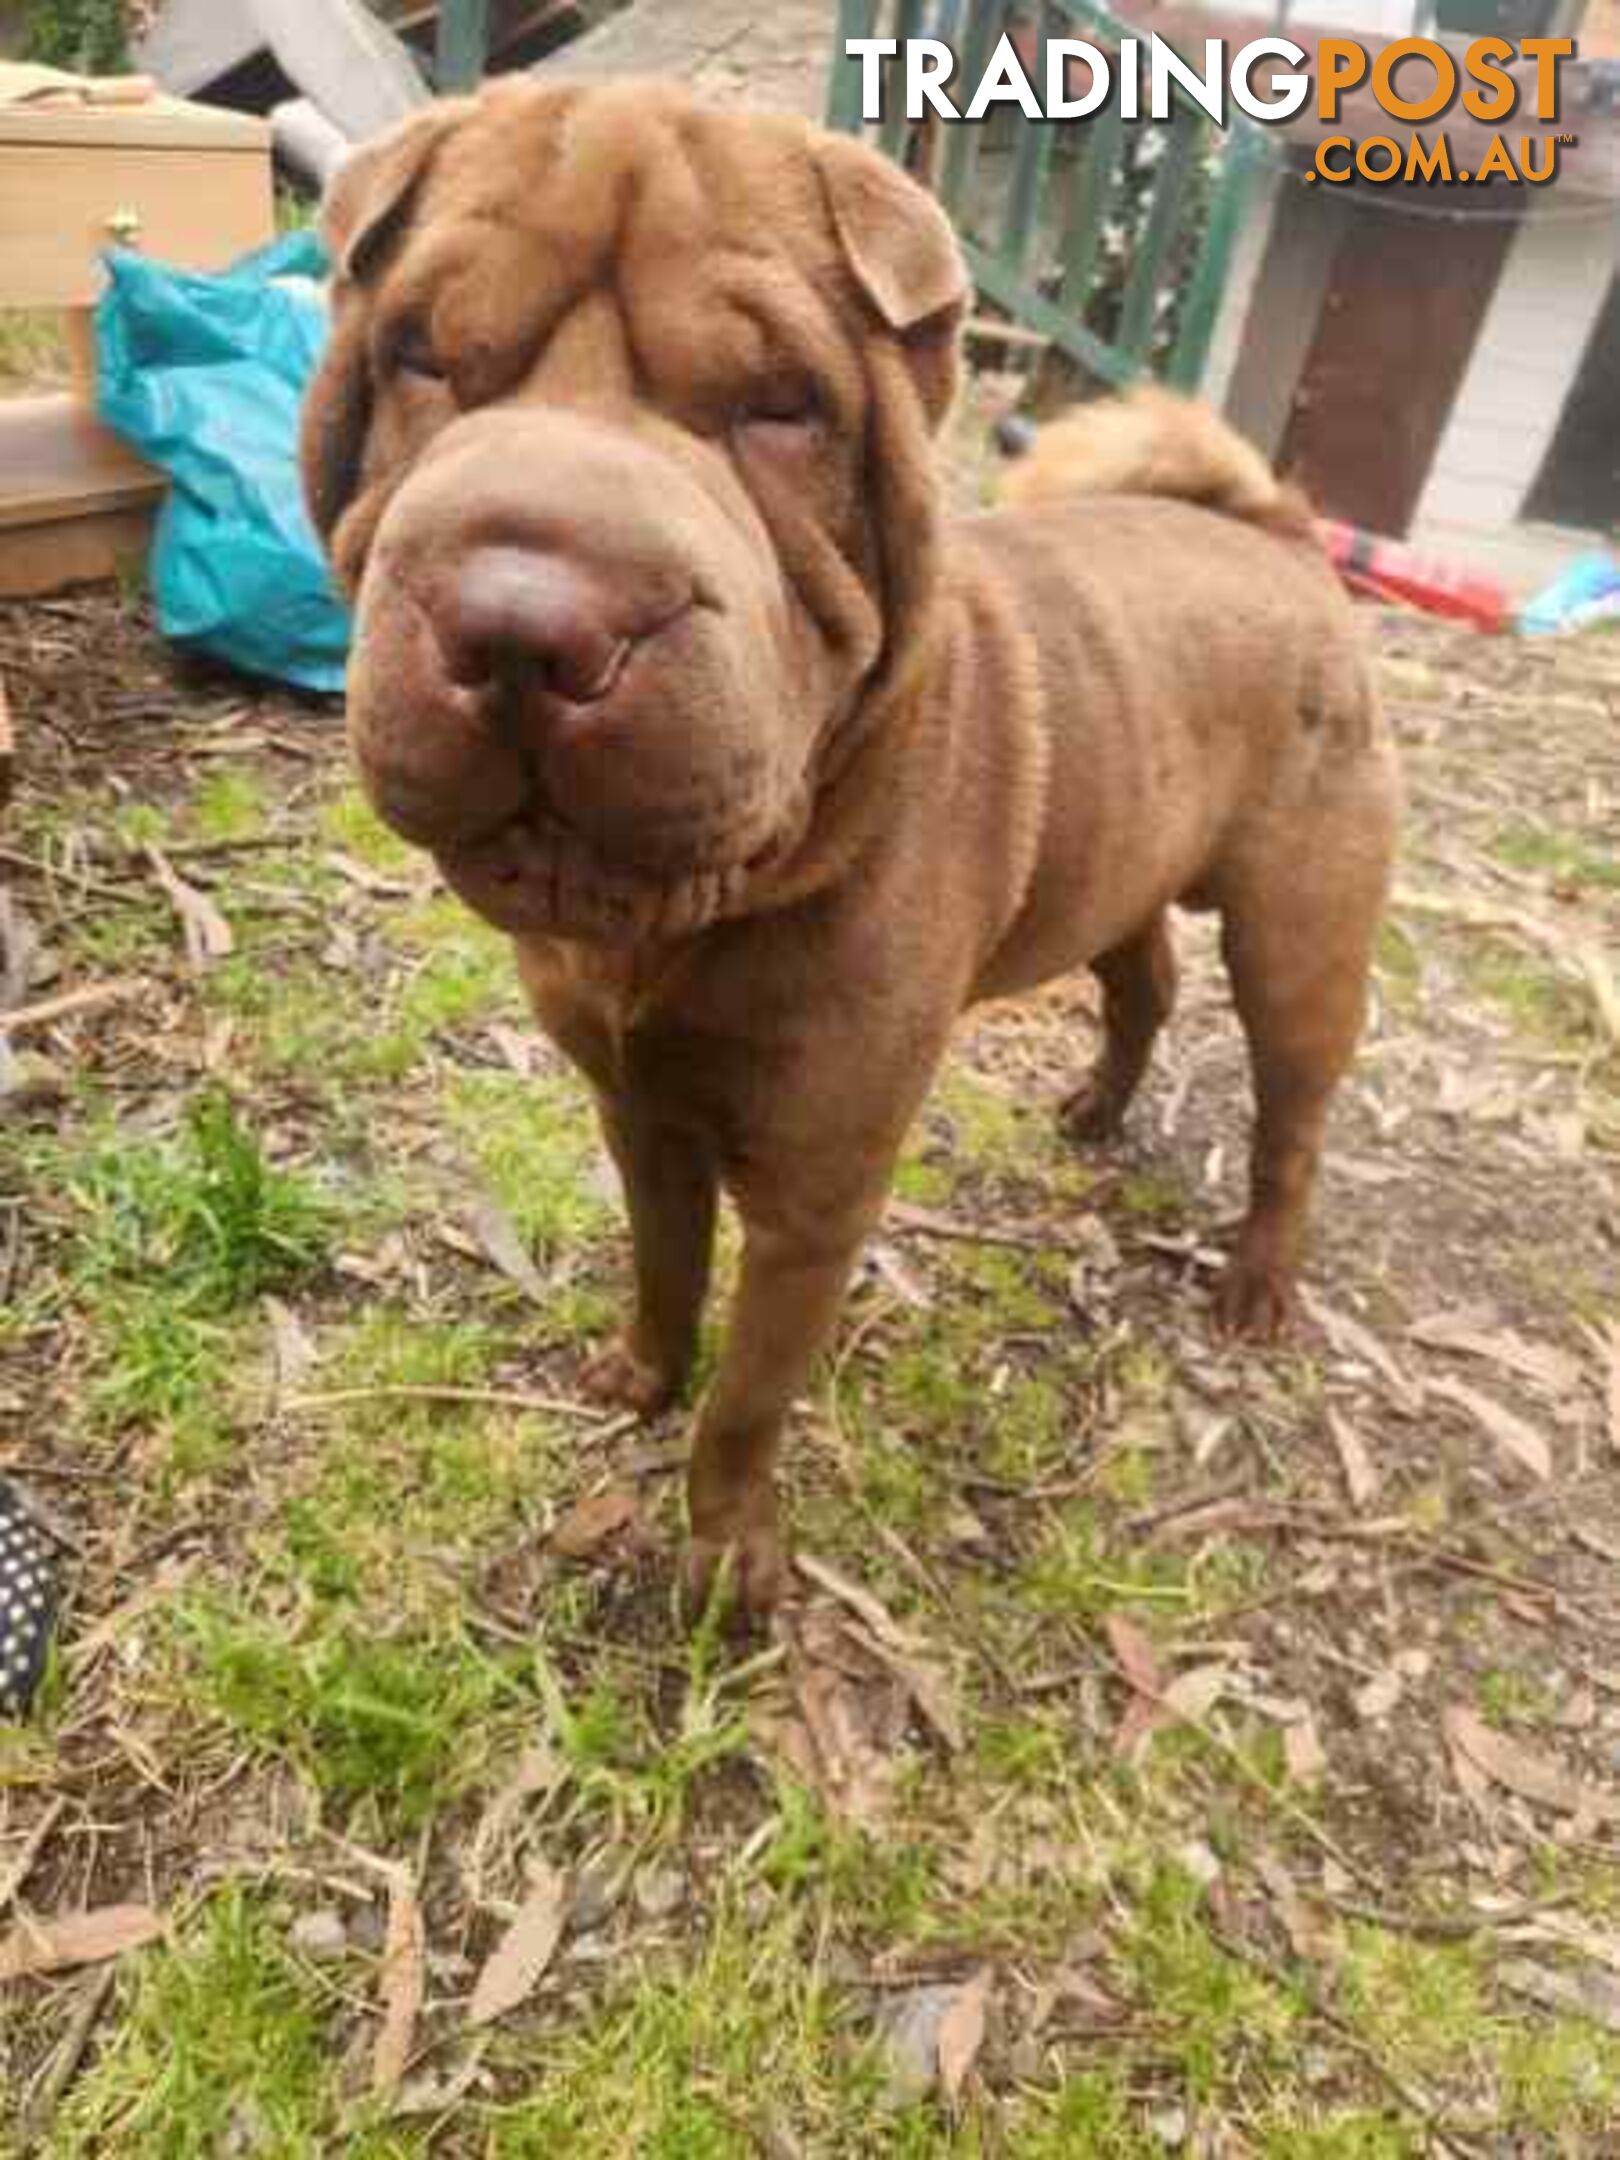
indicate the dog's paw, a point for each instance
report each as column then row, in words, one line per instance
column 746, row 1573
column 1092, row 1113
column 1254, row 1300
column 620, row 1378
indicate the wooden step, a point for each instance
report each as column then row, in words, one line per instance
column 75, row 504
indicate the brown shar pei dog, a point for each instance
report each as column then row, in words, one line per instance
column 668, row 651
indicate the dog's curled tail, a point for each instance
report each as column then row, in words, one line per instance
column 1150, row 442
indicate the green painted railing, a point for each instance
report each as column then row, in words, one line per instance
column 463, row 46
column 1045, row 257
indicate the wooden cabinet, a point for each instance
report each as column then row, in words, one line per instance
column 183, row 182
column 188, row 184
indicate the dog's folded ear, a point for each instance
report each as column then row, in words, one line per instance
column 367, row 206
column 896, row 238
column 370, row 197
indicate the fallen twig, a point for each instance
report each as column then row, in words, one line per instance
column 905, row 1220
column 66, row 1004
column 23, row 1866
column 64, row 2064
column 54, row 874
column 486, row 1398
column 1447, row 1927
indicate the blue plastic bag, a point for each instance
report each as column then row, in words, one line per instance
column 204, row 375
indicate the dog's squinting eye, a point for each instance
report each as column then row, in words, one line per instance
column 781, row 408
column 413, row 354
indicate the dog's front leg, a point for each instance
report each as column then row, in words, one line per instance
column 671, row 1190
column 791, row 1287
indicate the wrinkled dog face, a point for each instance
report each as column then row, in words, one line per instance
column 622, row 449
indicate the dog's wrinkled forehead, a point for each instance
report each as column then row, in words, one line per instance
column 501, row 215
column 530, row 205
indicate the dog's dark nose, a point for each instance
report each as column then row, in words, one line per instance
column 506, row 613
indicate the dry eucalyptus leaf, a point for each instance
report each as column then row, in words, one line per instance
column 1611, row 1391
column 1586, row 1992
column 592, row 1521
column 861, row 1601
column 1307, row 1937
column 855, row 1766
column 1512, row 1435
column 1534, row 1775
column 1360, row 1475
column 208, row 936
column 516, row 1964
column 293, row 1355
column 1192, row 1695
column 82, row 1938
column 367, row 880
column 961, row 2034
column 501, row 1243
column 1554, row 1369
column 910, row 2027
column 1303, row 1751
column 1134, row 1654
column 929, row 1688
column 402, row 1983
column 1352, row 1340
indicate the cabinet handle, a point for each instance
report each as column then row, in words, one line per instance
column 125, row 226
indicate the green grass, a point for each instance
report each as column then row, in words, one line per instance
column 1432, row 2012
column 348, row 824
column 167, row 1246
column 974, row 1133
column 174, row 1373
column 402, row 1481
column 403, row 1726
column 229, row 805
column 532, row 1143
column 1228, row 2025
column 1399, row 965
column 448, row 974
column 204, row 1215
column 696, row 2066
column 345, row 1620
column 1566, row 858
column 221, row 2034
column 1543, row 1004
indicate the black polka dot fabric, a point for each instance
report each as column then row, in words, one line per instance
column 30, row 1589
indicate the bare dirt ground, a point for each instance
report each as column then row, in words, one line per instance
column 1170, row 1749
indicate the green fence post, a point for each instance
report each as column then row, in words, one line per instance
column 463, row 44
column 985, row 23
column 856, row 18
column 1031, row 161
column 1170, row 184
column 1096, row 185
column 895, row 124
column 1245, row 153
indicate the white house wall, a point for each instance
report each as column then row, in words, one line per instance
column 1554, row 280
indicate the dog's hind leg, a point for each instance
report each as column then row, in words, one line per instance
column 1298, row 946
column 1139, row 988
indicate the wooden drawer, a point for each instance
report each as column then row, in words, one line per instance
column 184, row 183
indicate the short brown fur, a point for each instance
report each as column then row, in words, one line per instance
column 666, row 649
